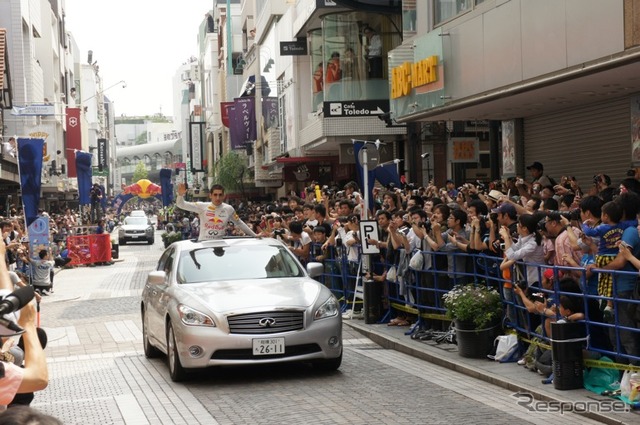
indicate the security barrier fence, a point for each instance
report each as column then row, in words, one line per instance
column 419, row 293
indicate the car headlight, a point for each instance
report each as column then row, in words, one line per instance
column 330, row 308
column 193, row 317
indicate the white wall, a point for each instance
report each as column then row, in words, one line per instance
column 520, row 39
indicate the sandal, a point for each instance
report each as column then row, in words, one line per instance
column 395, row 321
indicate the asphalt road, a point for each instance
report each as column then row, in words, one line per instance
column 99, row 375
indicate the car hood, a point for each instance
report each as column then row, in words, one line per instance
column 254, row 295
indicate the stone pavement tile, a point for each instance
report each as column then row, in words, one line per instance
column 506, row 375
column 130, row 390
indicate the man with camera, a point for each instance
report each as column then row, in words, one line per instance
column 506, row 216
column 95, row 195
column 299, row 241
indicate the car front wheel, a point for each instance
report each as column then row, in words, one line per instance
column 176, row 371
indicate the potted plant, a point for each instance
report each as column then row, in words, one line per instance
column 476, row 311
column 170, row 237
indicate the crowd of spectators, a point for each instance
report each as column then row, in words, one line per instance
column 524, row 228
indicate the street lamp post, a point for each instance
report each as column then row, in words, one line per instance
column 101, row 92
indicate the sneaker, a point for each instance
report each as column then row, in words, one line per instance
column 522, row 361
column 44, row 293
column 357, row 314
column 348, row 314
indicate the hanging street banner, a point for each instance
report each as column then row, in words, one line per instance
column 246, row 108
column 33, row 110
column 270, row 112
column 82, row 167
column 242, row 121
column 224, row 113
column 235, row 128
column 74, row 140
column 30, row 170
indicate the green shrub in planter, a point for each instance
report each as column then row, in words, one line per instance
column 170, row 237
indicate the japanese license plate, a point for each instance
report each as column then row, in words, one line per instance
column 268, row 346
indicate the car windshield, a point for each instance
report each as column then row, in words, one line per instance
column 136, row 221
column 235, row 263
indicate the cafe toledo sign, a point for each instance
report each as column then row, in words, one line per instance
column 409, row 75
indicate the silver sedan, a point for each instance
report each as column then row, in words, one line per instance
column 238, row 301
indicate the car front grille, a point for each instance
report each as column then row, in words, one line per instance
column 267, row 322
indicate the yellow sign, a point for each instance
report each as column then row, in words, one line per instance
column 41, row 135
column 463, row 149
column 408, row 76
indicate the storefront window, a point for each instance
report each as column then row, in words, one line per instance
column 317, row 68
column 349, row 56
column 447, row 9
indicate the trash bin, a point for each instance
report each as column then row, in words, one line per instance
column 372, row 301
column 567, row 340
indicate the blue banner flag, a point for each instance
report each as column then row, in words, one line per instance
column 360, row 173
column 387, row 174
column 30, row 169
column 167, row 187
column 83, row 167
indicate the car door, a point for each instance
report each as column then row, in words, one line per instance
column 156, row 295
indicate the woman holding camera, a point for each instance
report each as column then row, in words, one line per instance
column 527, row 249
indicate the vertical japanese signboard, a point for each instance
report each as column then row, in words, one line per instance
column 196, row 136
column 102, row 154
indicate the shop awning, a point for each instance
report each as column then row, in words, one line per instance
column 306, row 159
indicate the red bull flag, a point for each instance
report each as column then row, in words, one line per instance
column 142, row 188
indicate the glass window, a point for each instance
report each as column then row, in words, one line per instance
column 230, row 263
column 317, row 69
column 351, row 60
column 447, row 9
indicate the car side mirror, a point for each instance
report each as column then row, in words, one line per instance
column 315, row 269
column 157, row 277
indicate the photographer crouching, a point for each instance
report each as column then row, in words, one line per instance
column 14, row 379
